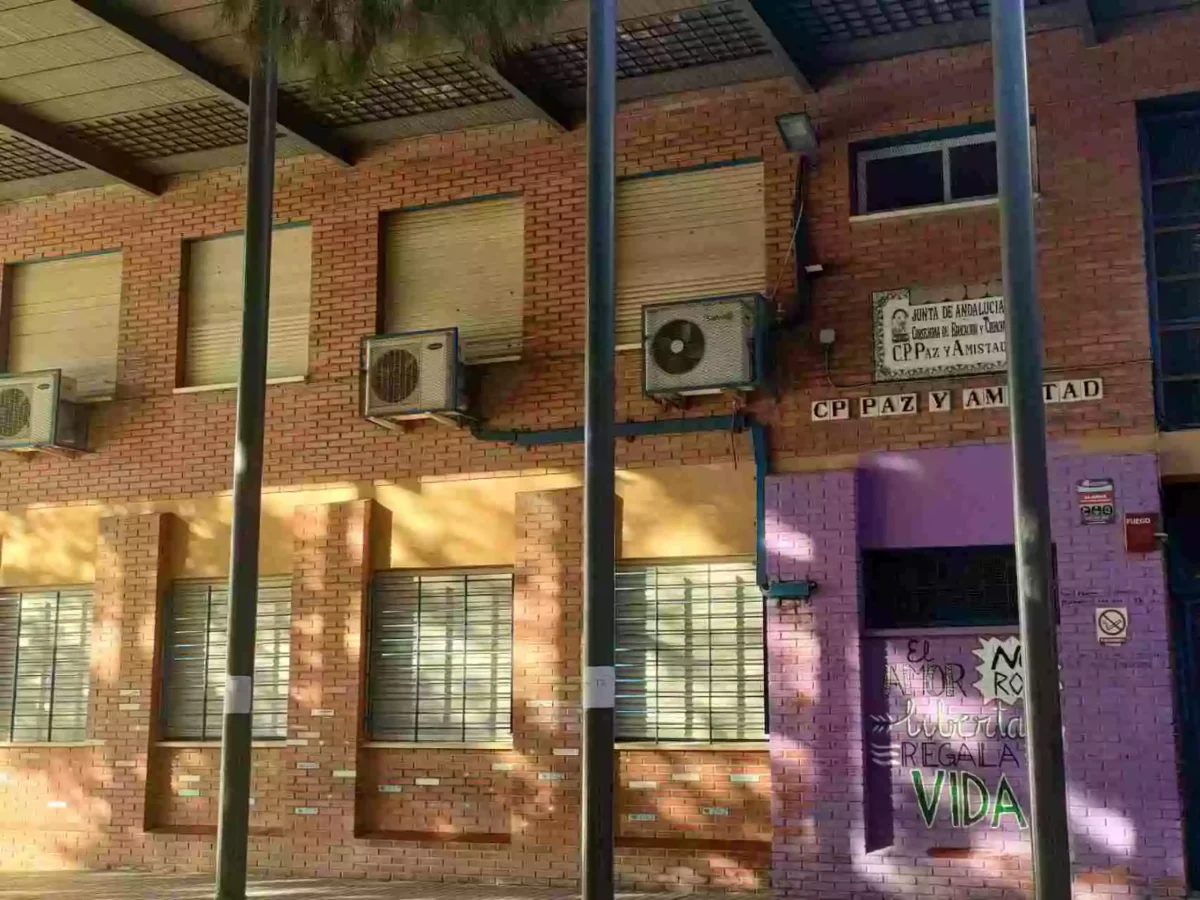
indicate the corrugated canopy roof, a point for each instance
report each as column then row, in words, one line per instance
column 101, row 91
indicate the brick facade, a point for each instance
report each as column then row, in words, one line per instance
column 797, row 812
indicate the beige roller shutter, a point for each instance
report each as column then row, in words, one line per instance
column 460, row 265
column 214, row 307
column 685, row 236
column 66, row 315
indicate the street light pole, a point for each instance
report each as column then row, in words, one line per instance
column 599, row 538
column 234, row 822
column 1027, row 415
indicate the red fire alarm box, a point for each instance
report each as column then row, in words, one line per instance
column 1141, row 532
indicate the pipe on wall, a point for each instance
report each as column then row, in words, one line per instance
column 737, row 422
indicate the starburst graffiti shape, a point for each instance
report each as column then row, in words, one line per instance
column 1001, row 670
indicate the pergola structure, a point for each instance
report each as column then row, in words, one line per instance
column 95, row 92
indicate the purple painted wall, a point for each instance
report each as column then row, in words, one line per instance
column 827, row 680
column 936, row 498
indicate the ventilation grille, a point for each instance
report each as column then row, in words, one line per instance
column 21, row 159
column 648, row 46
column 28, row 408
column 188, row 128
column 16, row 413
column 411, row 374
column 700, row 346
column 429, row 86
column 940, row 586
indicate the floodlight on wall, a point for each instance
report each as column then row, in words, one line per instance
column 798, row 133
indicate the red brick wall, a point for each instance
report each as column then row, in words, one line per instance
column 153, row 445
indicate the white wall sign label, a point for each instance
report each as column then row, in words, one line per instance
column 887, row 405
column 985, row 397
column 933, row 340
column 939, row 401
column 1112, row 624
column 1074, row 390
column 830, row 410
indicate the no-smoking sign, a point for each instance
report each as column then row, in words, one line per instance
column 1112, row 624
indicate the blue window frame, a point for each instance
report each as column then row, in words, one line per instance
column 1170, row 144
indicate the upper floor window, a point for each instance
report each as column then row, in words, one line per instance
column 932, row 587
column 45, row 664
column 213, row 307
column 686, row 235
column 65, row 314
column 1171, row 169
column 193, row 660
column 458, row 265
column 690, row 655
column 931, row 169
column 440, row 665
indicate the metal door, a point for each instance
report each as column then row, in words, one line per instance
column 1181, row 509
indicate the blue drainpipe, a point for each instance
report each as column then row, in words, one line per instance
column 793, row 590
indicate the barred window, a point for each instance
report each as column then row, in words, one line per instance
column 441, row 656
column 45, row 668
column 690, row 653
column 194, row 660
column 931, row 587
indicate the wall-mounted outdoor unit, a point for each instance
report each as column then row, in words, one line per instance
column 704, row 346
column 38, row 411
column 413, row 375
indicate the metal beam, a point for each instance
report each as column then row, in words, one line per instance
column 61, row 142
column 1087, row 22
column 293, row 119
column 599, row 428
column 778, row 50
column 1031, row 494
column 233, row 824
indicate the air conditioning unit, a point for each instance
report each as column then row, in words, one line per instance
column 704, row 346
column 414, row 375
column 38, row 411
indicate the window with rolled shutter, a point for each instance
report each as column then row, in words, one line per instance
column 690, row 656
column 194, row 660
column 66, row 315
column 45, row 664
column 459, row 265
column 687, row 235
column 441, row 656
column 213, row 338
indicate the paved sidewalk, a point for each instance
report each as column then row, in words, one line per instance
column 131, row 886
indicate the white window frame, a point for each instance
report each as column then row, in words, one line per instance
column 944, row 145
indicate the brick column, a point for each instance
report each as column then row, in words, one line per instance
column 547, row 634
column 815, row 690
column 129, row 584
column 324, row 712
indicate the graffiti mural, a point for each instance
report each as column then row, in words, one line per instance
column 955, row 738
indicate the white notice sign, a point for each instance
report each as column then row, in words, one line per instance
column 932, row 340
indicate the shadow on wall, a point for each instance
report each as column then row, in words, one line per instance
column 49, row 547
